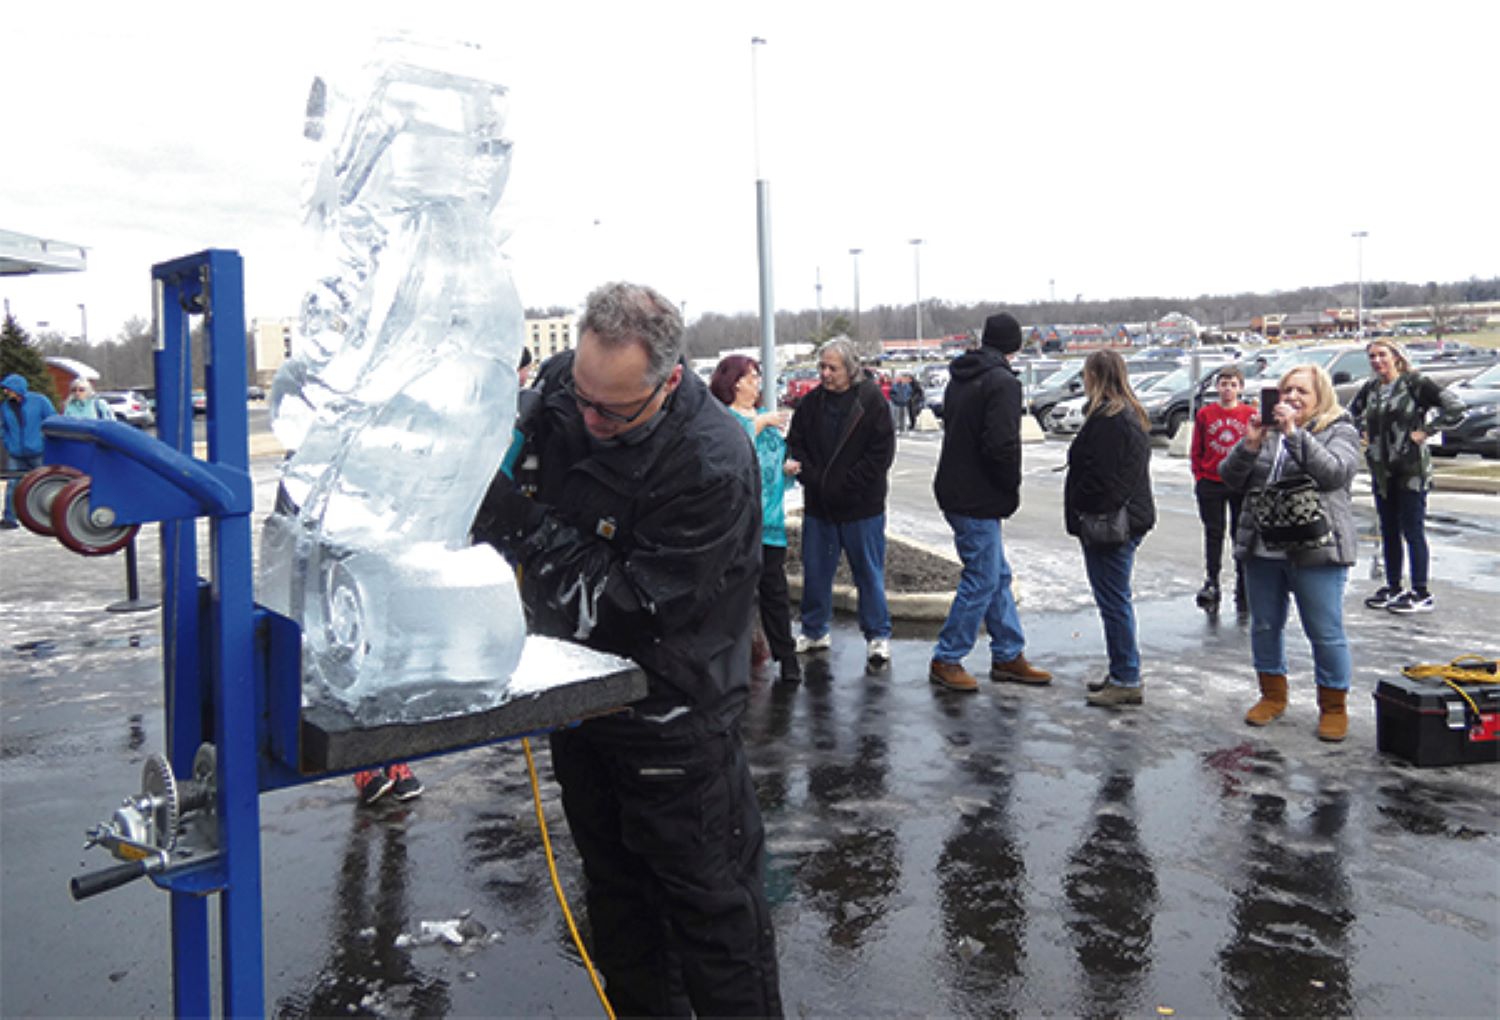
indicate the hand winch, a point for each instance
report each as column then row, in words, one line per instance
column 167, row 826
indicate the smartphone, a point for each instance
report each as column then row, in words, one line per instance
column 1269, row 398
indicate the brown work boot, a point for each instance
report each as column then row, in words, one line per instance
column 953, row 676
column 1272, row 700
column 1019, row 671
column 1333, row 720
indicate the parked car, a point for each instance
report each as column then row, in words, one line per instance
column 1064, row 384
column 255, row 393
column 130, row 407
column 799, row 383
column 1479, row 432
column 200, row 402
column 1170, row 400
column 1066, row 416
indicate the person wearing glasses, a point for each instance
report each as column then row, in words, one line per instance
column 21, row 415
column 643, row 539
column 83, row 403
column 841, row 445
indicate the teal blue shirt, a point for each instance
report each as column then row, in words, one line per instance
column 770, row 451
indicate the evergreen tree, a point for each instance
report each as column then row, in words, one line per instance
column 19, row 355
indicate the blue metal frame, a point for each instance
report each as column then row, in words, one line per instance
column 208, row 626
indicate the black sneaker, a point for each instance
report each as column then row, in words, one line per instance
column 9, row 525
column 1208, row 595
column 373, row 785
column 791, row 670
column 1411, row 602
column 1382, row 598
column 404, row 785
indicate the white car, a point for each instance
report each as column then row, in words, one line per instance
column 1066, row 416
column 130, row 407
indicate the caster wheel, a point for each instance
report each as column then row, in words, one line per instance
column 37, row 491
column 87, row 531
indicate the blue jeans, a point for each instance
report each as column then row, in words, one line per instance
column 1108, row 568
column 1403, row 515
column 1319, row 591
column 863, row 541
column 983, row 594
column 15, row 463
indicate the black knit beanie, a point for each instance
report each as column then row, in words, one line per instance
column 1002, row 332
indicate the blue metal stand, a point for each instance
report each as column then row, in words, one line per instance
column 232, row 669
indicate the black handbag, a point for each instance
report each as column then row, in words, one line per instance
column 1109, row 528
column 1289, row 515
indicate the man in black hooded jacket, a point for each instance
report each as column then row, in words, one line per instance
column 978, row 483
column 644, row 540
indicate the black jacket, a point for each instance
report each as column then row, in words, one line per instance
column 979, row 470
column 650, row 551
column 1109, row 465
column 845, row 481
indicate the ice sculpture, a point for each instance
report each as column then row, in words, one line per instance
column 399, row 401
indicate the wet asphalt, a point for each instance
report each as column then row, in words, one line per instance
column 1006, row 853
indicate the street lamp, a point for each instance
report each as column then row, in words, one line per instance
column 855, row 252
column 916, row 252
column 763, row 243
column 84, row 314
column 1359, row 248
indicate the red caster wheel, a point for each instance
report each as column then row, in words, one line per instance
column 37, row 491
column 83, row 529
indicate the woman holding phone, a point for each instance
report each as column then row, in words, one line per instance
column 1305, row 434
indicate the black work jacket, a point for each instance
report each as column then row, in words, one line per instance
column 650, row 551
column 845, row 481
column 979, row 470
column 1109, row 465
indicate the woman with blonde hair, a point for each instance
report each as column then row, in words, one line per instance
column 1398, row 410
column 1109, row 477
column 1309, row 439
column 83, row 403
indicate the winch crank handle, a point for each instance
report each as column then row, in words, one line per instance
column 84, row 886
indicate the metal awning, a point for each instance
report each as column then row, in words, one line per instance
column 22, row 255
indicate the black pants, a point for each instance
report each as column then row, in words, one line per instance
column 1213, row 499
column 674, row 852
column 776, row 603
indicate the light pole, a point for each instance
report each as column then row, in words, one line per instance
column 83, row 313
column 763, row 243
column 1359, row 257
column 855, row 252
column 818, row 286
column 916, row 252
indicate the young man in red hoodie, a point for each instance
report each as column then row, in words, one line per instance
column 1216, row 430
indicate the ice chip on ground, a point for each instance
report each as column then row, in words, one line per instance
column 399, row 398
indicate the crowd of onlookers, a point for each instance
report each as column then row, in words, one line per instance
column 1273, row 476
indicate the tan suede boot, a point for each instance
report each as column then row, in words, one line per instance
column 1272, row 700
column 1333, row 720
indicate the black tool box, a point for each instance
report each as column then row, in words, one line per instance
column 1429, row 723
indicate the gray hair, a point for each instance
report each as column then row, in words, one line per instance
column 843, row 348
column 631, row 313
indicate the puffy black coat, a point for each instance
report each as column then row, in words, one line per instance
column 648, row 550
column 1109, row 465
column 847, row 482
column 979, row 470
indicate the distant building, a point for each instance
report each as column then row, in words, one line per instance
column 270, row 347
column 546, row 337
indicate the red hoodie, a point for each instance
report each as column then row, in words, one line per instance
column 1217, row 430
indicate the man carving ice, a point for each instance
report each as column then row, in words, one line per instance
column 644, row 540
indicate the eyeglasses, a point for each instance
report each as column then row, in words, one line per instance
column 605, row 412
column 80, row 389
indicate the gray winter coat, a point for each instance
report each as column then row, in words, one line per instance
column 1331, row 459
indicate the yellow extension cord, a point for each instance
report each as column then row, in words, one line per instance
column 562, row 901
column 1466, row 669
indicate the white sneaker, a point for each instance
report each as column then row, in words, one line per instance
column 878, row 650
column 813, row 644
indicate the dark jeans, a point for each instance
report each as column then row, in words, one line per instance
column 776, row 603
column 1213, row 499
column 1403, row 516
column 13, row 462
column 674, row 852
column 1109, row 568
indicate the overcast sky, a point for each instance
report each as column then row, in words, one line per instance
column 1095, row 149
